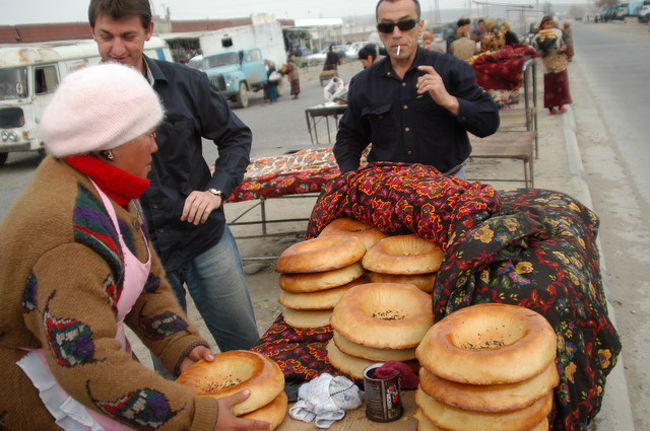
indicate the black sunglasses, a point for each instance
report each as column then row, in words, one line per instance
column 388, row 27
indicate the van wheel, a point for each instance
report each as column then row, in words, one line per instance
column 3, row 158
column 242, row 96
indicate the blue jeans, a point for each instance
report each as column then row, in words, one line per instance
column 215, row 279
column 461, row 174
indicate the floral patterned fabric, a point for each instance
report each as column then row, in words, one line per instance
column 502, row 69
column 402, row 198
column 534, row 248
column 504, row 98
column 302, row 172
column 300, row 353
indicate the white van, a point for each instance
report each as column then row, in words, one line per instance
column 644, row 13
column 29, row 74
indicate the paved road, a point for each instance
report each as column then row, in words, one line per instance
column 616, row 57
column 611, row 72
column 281, row 126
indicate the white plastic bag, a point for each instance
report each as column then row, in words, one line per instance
column 334, row 88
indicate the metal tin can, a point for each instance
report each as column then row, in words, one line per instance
column 383, row 395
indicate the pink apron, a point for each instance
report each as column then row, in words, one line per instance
column 69, row 413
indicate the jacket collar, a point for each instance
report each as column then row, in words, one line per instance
column 153, row 70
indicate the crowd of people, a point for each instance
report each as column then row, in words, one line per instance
column 132, row 219
column 553, row 43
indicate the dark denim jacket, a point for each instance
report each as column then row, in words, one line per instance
column 404, row 126
column 193, row 109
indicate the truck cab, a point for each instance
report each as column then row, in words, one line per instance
column 234, row 73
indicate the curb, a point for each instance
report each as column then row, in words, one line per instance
column 616, row 409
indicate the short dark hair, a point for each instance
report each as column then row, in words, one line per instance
column 118, row 9
column 463, row 21
column 417, row 7
column 368, row 50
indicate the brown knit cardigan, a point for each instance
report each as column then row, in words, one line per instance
column 61, row 271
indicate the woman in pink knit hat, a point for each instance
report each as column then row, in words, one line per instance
column 77, row 268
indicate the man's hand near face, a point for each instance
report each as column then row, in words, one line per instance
column 432, row 83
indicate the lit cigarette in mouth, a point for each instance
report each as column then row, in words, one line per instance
column 398, row 48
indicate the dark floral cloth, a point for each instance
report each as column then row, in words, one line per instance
column 300, row 353
column 530, row 247
column 402, row 198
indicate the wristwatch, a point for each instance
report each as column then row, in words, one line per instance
column 216, row 192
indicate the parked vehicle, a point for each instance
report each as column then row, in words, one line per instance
column 317, row 57
column 629, row 9
column 233, row 57
column 352, row 50
column 320, row 56
column 644, row 12
column 302, row 51
column 234, row 73
column 29, row 74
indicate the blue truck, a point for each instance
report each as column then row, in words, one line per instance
column 235, row 73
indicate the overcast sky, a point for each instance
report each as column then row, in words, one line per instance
column 43, row 11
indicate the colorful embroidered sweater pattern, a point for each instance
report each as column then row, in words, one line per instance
column 61, row 276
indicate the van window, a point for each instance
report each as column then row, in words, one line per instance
column 13, row 83
column 45, row 79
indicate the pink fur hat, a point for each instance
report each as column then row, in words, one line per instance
column 99, row 108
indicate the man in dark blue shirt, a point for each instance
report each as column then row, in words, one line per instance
column 415, row 105
column 184, row 204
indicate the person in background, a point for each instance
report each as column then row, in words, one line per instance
column 427, row 40
column 293, row 74
column 367, row 55
column 479, row 30
column 183, row 207
column 567, row 36
column 332, row 60
column 550, row 45
column 462, row 30
column 493, row 39
column 78, row 267
column 415, row 106
column 463, row 47
column 271, row 83
column 509, row 35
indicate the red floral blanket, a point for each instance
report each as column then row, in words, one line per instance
column 502, row 70
column 302, row 172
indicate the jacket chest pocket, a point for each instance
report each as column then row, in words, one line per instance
column 433, row 121
column 381, row 122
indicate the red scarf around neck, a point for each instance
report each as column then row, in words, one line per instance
column 119, row 185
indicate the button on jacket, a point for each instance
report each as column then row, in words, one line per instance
column 404, row 126
column 193, row 109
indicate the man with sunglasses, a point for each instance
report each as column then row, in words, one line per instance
column 415, row 105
